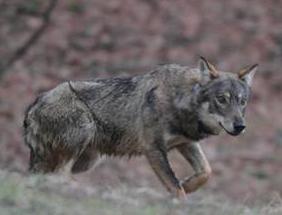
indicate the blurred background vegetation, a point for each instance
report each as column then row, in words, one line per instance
column 46, row 42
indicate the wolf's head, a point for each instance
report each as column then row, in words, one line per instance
column 223, row 98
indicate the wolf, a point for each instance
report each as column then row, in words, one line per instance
column 171, row 107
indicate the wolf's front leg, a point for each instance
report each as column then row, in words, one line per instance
column 195, row 156
column 157, row 158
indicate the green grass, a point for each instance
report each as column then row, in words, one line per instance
column 41, row 195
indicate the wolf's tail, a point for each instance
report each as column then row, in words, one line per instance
column 29, row 132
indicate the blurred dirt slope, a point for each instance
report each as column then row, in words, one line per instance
column 93, row 38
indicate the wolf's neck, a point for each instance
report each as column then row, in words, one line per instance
column 186, row 117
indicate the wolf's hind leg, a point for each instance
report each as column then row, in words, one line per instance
column 195, row 156
column 47, row 161
column 85, row 161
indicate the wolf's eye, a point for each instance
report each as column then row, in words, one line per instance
column 222, row 100
column 243, row 102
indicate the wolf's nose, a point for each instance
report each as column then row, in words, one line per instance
column 239, row 128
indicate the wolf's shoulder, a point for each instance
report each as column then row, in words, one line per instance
column 177, row 72
column 171, row 68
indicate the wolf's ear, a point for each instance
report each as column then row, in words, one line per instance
column 206, row 67
column 246, row 74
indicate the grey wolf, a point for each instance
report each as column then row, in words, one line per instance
column 171, row 107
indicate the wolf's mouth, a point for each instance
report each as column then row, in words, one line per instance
column 234, row 133
column 205, row 129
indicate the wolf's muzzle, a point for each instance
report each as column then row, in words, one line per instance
column 239, row 128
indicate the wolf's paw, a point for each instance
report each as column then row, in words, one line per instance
column 181, row 194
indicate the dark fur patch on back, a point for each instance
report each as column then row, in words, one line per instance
column 150, row 98
column 88, row 94
column 120, row 86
